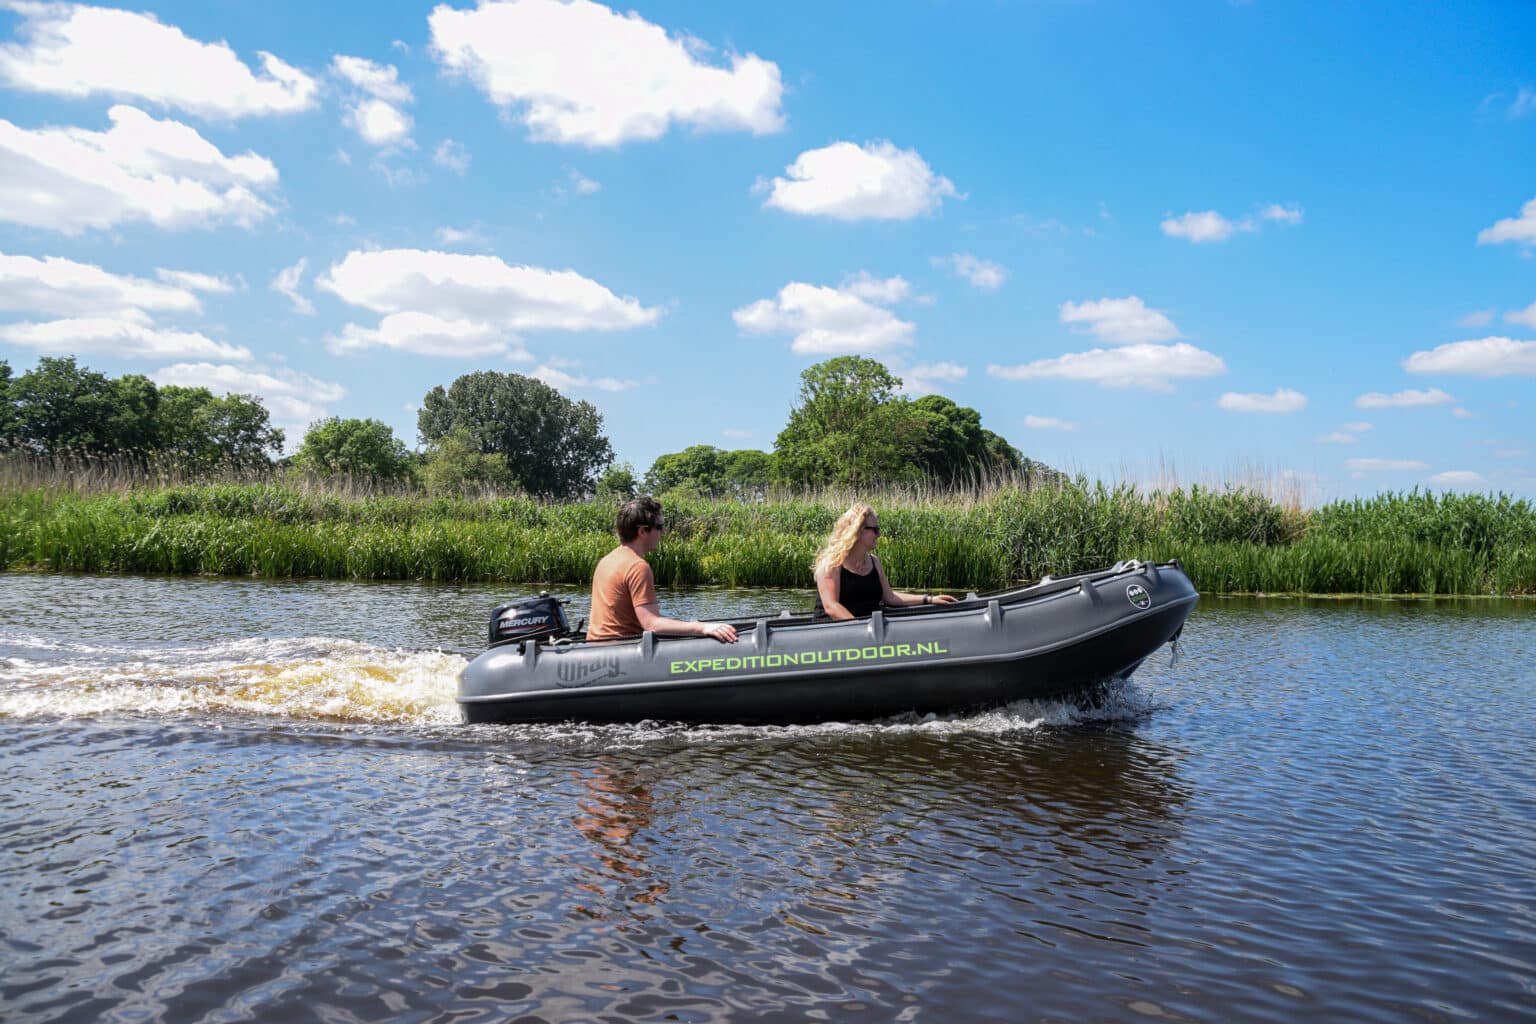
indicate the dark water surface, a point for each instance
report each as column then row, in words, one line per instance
column 231, row 800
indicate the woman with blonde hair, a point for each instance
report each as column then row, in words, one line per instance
column 850, row 582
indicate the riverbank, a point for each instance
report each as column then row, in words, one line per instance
column 1231, row 541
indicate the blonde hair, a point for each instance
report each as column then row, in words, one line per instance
column 845, row 532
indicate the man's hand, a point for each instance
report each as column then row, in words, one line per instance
column 722, row 631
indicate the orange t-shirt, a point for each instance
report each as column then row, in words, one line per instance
column 623, row 580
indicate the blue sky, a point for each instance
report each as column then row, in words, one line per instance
column 1223, row 241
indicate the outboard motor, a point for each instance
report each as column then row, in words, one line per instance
column 530, row 618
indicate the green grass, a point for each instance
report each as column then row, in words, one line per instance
column 1232, row 540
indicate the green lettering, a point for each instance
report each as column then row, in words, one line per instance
column 903, row 650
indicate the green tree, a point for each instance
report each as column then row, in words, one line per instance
column 59, row 405
column 353, row 447
column 617, row 483
column 550, row 444
column 208, row 431
column 455, row 465
column 959, row 449
column 849, row 427
column 749, row 471
column 698, row 469
column 7, row 405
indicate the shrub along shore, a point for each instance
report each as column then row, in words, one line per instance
column 1230, row 540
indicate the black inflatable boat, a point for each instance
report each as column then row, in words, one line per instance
column 1055, row 637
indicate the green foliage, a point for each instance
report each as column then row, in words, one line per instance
column 706, row 470
column 617, row 483
column 352, row 447
column 1230, row 541
column 210, row 431
column 851, row 428
column 457, row 465
column 549, row 445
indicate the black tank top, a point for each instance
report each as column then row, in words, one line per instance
column 859, row 594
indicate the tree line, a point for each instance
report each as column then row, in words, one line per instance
column 850, row 426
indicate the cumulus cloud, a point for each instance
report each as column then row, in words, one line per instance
column 441, row 303
column 288, row 282
column 1204, row 227
column 74, row 50
column 1485, row 357
column 1034, row 422
column 1524, row 317
column 61, row 287
column 579, row 73
column 1346, row 433
column 826, row 321
column 294, row 399
column 885, row 290
column 192, row 281
column 1125, row 321
column 1477, row 318
column 1456, row 478
column 141, row 169
column 451, row 155
column 127, row 335
column 844, row 181
column 1153, row 367
column 1385, row 465
column 1284, row 400
column 1290, row 214
column 1403, row 399
column 460, row 236
column 983, row 274
column 562, row 381
column 373, row 111
column 928, row 378
column 1521, row 229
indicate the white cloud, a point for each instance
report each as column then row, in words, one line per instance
column 983, row 274
column 1338, row 437
column 1510, row 453
column 1485, row 357
column 429, row 335
column 1205, row 226
column 1120, row 321
column 381, row 81
column 1520, row 229
column 75, row 50
column 885, row 291
column 562, row 381
column 1456, row 478
column 379, row 123
column 1384, row 465
column 1477, row 318
column 460, row 236
column 469, row 303
column 735, row 434
column 1153, row 367
column 1403, row 399
column 294, row 399
column 825, row 321
column 584, row 185
column 1291, row 214
column 1034, row 422
column 192, row 281
column 1461, row 414
column 287, row 284
column 451, row 155
column 61, row 287
column 1357, row 427
column 927, row 378
column 938, row 371
column 844, row 181
column 1525, row 317
column 128, row 335
column 583, row 74
column 141, row 169
column 1284, row 400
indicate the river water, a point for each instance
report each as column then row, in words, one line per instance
column 240, row 800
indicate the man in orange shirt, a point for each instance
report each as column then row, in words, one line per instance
column 624, row 588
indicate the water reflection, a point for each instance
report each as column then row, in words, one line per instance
column 615, row 809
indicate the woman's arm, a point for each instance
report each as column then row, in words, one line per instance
column 899, row 597
column 830, row 587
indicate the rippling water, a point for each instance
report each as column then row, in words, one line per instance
column 231, row 800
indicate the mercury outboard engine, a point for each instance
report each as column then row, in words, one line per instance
column 529, row 618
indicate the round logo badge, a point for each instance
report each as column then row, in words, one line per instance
column 1138, row 596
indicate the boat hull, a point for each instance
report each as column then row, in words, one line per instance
column 1055, row 638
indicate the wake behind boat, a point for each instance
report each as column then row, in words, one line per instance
column 1056, row 637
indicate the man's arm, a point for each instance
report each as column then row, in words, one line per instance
column 651, row 618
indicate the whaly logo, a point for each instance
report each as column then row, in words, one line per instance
column 1138, row 596
column 584, row 673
